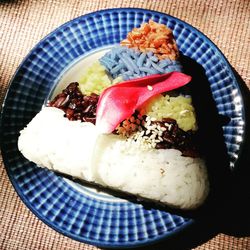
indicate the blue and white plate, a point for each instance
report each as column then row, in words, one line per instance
column 70, row 209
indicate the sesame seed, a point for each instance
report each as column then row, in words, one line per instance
column 150, row 87
column 154, row 127
column 153, row 136
column 158, row 127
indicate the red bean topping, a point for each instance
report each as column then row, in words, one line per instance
column 175, row 137
column 76, row 105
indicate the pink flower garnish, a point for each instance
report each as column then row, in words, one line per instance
column 118, row 102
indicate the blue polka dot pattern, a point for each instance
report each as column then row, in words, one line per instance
column 50, row 197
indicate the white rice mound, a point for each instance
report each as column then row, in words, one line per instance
column 77, row 149
column 52, row 141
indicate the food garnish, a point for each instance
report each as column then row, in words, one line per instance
column 179, row 108
column 94, row 79
column 120, row 101
column 131, row 63
column 153, row 37
column 76, row 105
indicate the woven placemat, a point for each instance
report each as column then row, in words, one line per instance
column 23, row 23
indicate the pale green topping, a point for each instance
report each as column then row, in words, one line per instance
column 94, row 80
column 179, row 108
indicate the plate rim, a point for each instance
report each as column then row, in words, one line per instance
column 147, row 241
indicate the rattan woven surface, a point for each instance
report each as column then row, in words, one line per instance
column 23, row 23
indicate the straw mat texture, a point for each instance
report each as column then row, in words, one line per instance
column 23, row 23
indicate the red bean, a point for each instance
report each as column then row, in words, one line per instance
column 76, row 105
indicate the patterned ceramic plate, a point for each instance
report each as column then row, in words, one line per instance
column 71, row 209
